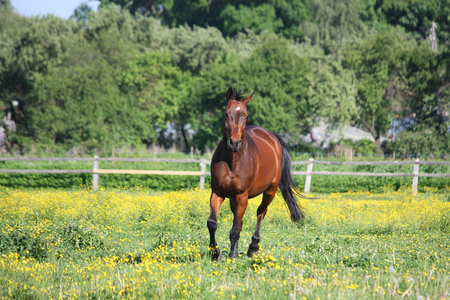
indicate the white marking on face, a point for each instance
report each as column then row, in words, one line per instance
column 238, row 108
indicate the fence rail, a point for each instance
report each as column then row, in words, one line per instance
column 203, row 162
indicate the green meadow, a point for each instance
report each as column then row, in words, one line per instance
column 136, row 244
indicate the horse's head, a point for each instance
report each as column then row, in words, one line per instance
column 235, row 118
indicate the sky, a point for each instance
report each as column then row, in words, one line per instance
column 60, row 8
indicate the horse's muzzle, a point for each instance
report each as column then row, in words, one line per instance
column 234, row 146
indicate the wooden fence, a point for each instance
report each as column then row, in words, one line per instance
column 203, row 162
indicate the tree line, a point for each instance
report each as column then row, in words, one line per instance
column 127, row 73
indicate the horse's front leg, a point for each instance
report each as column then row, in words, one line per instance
column 238, row 207
column 215, row 203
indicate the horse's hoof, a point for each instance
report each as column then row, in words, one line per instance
column 253, row 250
column 252, row 253
column 216, row 254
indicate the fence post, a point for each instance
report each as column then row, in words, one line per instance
column 95, row 176
column 202, row 177
column 415, row 177
column 308, row 176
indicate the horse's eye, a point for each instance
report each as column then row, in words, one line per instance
column 225, row 115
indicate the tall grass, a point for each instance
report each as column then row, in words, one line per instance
column 126, row 243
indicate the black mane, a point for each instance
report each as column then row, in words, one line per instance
column 238, row 94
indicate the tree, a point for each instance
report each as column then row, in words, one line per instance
column 12, row 81
column 257, row 19
column 81, row 13
column 193, row 49
column 377, row 63
column 428, row 103
column 72, row 70
column 38, row 48
column 77, row 103
column 416, row 16
column 157, row 90
column 112, row 31
column 146, row 7
column 287, row 99
column 330, row 24
column 80, row 105
column 428, row 81
column 334, row 24
column 334, row 90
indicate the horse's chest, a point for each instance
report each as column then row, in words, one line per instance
column 232, row 181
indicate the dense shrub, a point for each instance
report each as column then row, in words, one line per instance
column 418, row 144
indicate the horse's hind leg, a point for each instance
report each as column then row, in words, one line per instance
column 215, row 203
column 268, row 196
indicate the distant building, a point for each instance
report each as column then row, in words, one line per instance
column 323, row 134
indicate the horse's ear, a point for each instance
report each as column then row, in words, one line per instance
column 229, row 94
column 247, row 99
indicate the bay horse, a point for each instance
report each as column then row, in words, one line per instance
column 248, row 161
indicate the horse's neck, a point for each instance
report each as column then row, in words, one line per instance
column 239, row 160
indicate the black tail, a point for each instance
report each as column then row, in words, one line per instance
column 287, row 185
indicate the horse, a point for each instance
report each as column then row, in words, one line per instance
column 248, row 161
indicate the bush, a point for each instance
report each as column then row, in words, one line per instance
column 305, row 148
column 418, row 144
column 362, row 147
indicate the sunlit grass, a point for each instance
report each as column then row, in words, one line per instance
column 131, row 243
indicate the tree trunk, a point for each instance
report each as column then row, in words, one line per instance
column 376, row 135
column 183, row 132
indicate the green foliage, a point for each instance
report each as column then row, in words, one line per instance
column 29, row 47
column 194, row 49
column 377, row 64
column 11, row 27
column 362, row 147
column 115, row 77
column 334, row 91
column 23, row 242
column 153, row 7
column 428, row 93
column 333, row 24
column 322, row 184
column 256, row 19
column 77, row 181
column 157, row 89
column 293, row 88
column 302, row 148
column 275, row 72
column 342, row 184
column 82, row 238
column 416, row 16
column 77, row 91
column 421, row 142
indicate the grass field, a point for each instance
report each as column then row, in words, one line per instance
column 132, row 243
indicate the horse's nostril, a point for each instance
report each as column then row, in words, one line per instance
column 233, row 143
